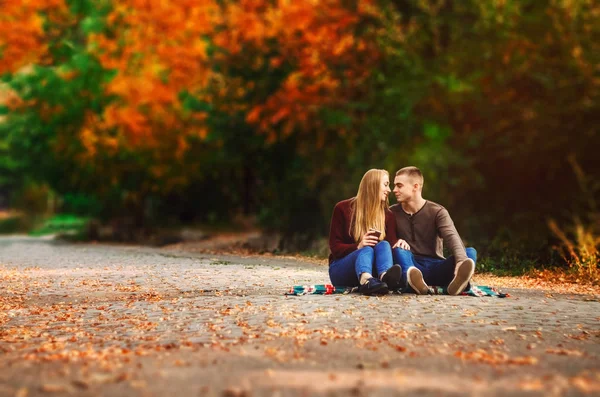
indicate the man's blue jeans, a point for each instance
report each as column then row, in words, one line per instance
column 436, row 272
column 374, row 260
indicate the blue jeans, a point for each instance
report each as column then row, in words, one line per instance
column 436, row 272
column 346, row 271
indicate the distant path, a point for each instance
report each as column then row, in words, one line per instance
column 119, row 320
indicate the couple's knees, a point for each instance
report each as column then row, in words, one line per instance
column 366, row 252
column 401, row 253
column 472, row 253
column 370, row 251
column 383, row 244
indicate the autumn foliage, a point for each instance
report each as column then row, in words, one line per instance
column 23, row 38
column 318, row 40
column 157, row 51
column 201, row 109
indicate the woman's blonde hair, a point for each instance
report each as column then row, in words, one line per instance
column 368, row 210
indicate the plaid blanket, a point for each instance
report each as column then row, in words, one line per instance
column 328, row 289
column 320, row 289
column 476, row 290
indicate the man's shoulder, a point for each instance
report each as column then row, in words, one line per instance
column 436, row 210
column 433, row 206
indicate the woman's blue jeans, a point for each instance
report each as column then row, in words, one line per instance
column 436, row 272
column 374, row 260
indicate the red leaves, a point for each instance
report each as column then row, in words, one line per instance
column 540, row 280
column 318, row 38
column 157, row 52
column 22, row 37
column 160, row 52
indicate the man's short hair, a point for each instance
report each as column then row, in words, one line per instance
column 413, row 173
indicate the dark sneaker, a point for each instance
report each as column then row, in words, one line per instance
column 464, row 272
column 373, row 287
column 415, row 280
column 392, row 277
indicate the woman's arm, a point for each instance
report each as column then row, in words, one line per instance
column 390, row 228
column 340, row 241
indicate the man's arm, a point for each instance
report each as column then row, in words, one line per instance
column 446, row 229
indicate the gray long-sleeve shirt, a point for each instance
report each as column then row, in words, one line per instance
column 427, row 230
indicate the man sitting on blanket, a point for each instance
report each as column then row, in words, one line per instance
column 423, row 227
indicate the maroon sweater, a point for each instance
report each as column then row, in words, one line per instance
column 341, row 243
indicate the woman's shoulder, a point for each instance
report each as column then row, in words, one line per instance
column 389, row 214
column 343, row 208
column 395, row 208
column 345, row 203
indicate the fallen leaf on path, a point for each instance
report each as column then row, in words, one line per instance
column 495, row 357
column 54, row 388
column 531, row 385
column 565, row 352
column 137, row 384
column 585, row 385
column 81, row 384
column 22, row 392
column 235, row 392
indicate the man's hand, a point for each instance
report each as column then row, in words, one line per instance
column 402, row 244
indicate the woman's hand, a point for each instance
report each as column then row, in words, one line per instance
column 368, row 240
column 402, row 244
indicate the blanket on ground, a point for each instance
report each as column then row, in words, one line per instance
column 328, row 289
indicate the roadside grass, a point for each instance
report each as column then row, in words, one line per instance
column 69, row 225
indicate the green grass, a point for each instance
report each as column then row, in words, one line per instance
column 504, row 267
column 64, row 224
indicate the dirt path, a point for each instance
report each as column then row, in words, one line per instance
column 114, row 320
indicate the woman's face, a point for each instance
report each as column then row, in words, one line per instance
column 384, row 189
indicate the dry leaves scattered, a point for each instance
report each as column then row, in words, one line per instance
column 553, row 285
column 132, row 319
column 495, row 357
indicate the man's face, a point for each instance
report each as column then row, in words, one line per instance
column 384, row 189
column 404, row 188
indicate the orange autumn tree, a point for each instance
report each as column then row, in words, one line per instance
column 146, row 96
column 280, row 65
column 103, row 106
column 157, row 51
column 318, row 46
column 294, row 73
column 23, row 39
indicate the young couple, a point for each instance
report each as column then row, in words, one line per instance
column 381, row 248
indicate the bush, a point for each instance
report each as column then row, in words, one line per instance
column 580, row 249
column 32, row 198
column 63, row 224
column 579, row 244
column 10, row 224
column 81, row 204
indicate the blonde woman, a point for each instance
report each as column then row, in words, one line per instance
column 362, row 231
